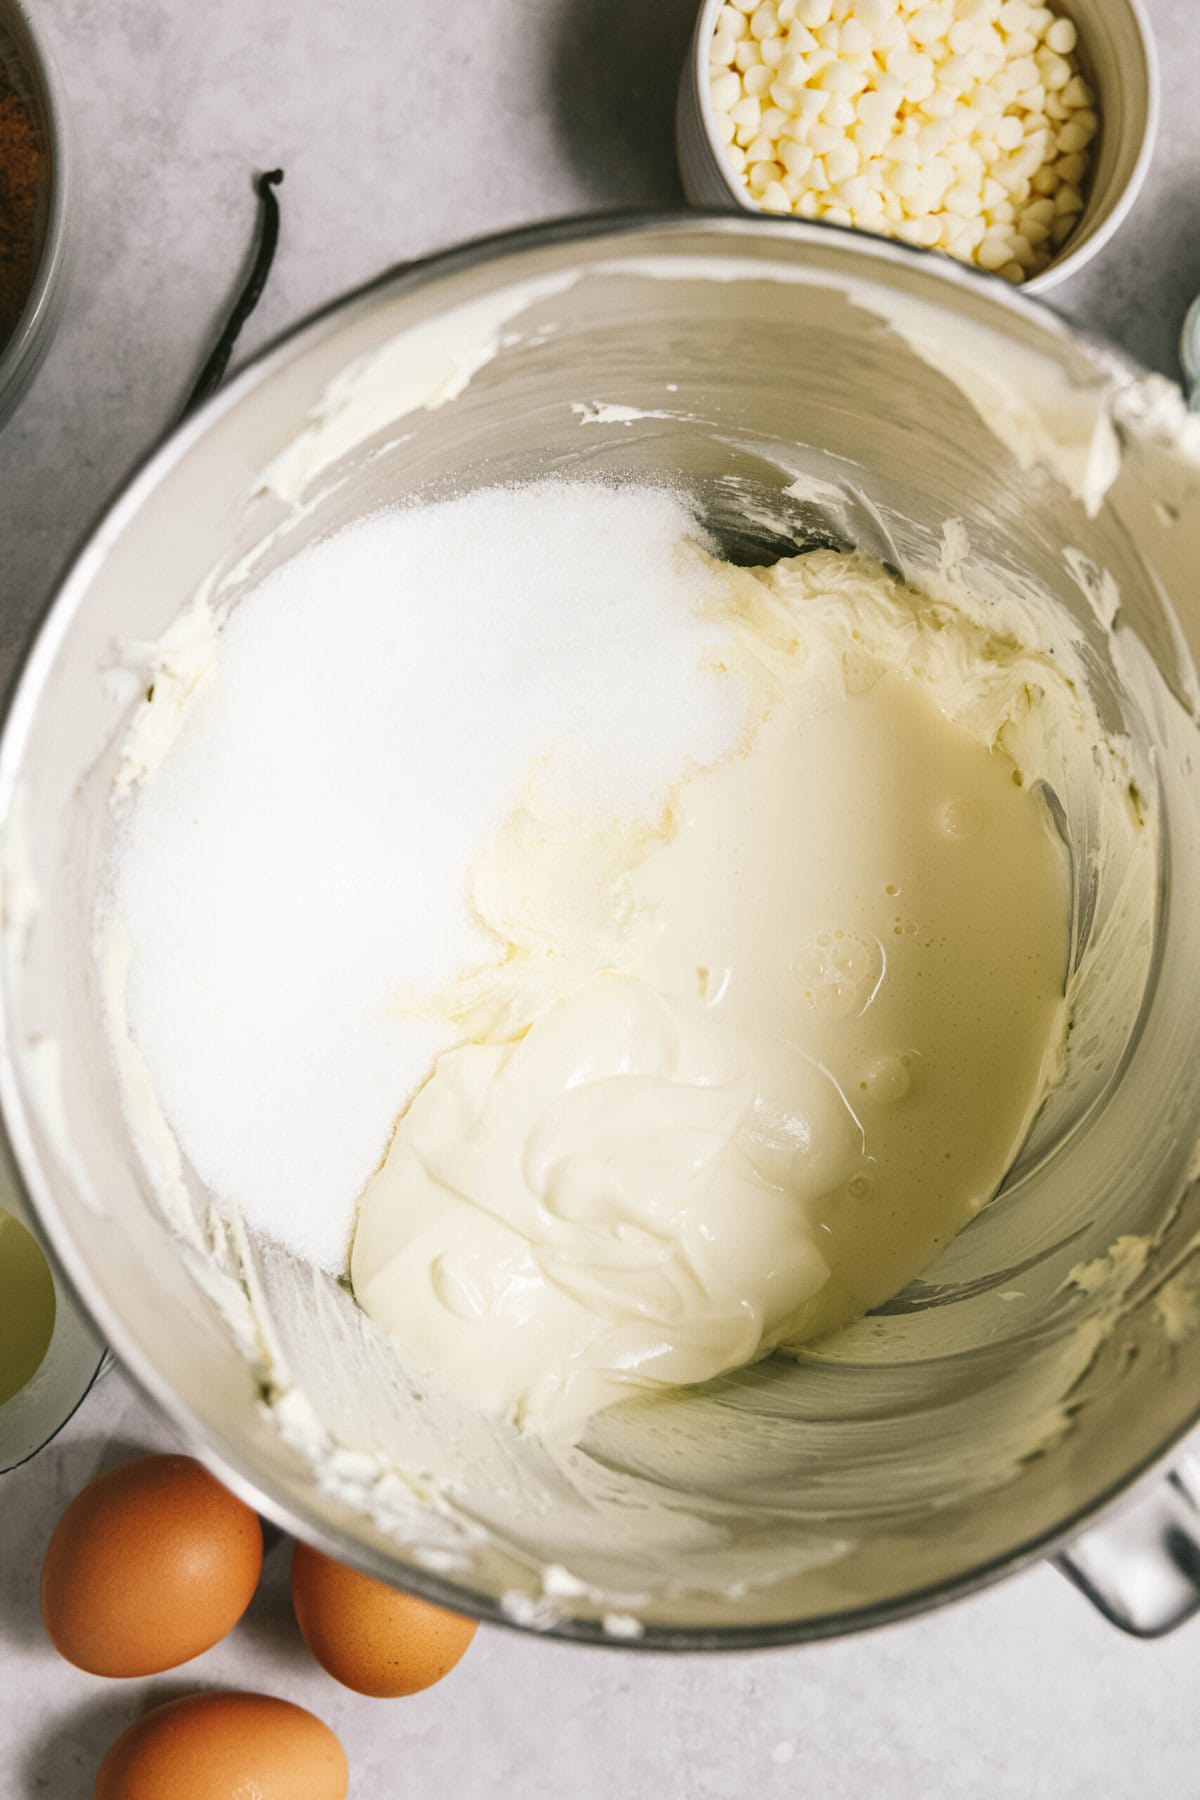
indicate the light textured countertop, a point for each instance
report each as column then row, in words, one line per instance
column 403, row 128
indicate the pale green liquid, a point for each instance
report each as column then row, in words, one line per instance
column 27, row 1306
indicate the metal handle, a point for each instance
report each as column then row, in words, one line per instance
column 1142, row 1568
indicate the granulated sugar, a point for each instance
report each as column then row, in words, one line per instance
column 301, row 860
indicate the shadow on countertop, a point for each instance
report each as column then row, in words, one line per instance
column 615, row 72
column 27, row 1528
column 269, row 1623
column 1141, row 284
column 62, row 1763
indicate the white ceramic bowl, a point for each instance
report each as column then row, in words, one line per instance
column 1116, row 49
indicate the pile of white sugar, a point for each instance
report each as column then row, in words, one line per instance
column 300, row 862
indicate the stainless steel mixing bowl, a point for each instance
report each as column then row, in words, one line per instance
column 988, row 1412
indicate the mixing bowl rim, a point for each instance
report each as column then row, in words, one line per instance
column 37, row 658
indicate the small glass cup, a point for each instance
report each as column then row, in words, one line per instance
column 74, row 1359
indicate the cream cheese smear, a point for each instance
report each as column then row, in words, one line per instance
column 624, row 964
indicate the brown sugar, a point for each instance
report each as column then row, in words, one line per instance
column 20, row 169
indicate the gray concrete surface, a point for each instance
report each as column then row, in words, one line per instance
column 401, row 128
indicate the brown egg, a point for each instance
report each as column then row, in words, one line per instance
column 149, row 1565
column 225, row 1747
column 370, row 1636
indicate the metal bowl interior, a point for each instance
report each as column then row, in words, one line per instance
column 945, row 1440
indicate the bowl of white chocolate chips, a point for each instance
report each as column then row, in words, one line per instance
column 1009, row 135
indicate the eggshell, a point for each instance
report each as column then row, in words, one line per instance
column 370, row 1636
column 150, row 1565
column 225, row 1747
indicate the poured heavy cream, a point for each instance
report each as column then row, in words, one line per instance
column 738, row 1073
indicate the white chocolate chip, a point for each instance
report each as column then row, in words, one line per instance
column 797, row 158
column 725, row 91
column 1073, row 137
column 1062, row 37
